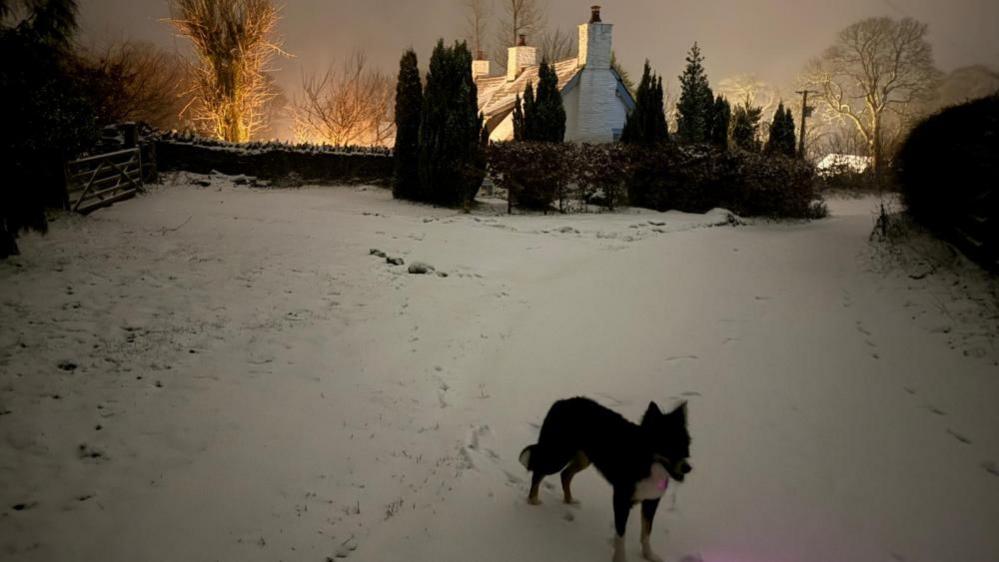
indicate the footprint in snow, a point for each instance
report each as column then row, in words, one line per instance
column 958, row 436
column 991, row 468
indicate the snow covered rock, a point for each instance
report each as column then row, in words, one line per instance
column 420, row 268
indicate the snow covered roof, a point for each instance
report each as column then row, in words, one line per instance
column 497, row 95
column 835, row 162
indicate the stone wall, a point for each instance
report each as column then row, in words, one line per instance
column 276, row 163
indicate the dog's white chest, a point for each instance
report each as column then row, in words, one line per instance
column 654, row 486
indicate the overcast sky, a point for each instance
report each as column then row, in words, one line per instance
column 770, row 38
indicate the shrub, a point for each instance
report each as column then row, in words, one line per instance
column 534, row 174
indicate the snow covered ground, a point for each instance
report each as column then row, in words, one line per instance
column 222, row 373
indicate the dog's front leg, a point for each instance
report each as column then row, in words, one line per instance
column 622, row 505
column 648, row 513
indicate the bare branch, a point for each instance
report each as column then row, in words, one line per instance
column 349, row 104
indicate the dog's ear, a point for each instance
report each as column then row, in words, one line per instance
column 651, row 413
column 680, row 412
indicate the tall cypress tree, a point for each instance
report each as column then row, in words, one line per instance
column 530, row 122
column 452, row 159
column 696, row 100
column 549, row 114
column 789, row 139
column 646, row 124
column 408, row 107
column 781, row 139
column 518, row 119
column 721, row 117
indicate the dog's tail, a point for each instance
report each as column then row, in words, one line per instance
column 525, row 456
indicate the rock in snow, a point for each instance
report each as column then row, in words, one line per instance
column 420, row 268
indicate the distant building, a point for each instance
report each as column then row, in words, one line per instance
column 831, row 164
column 595, row 98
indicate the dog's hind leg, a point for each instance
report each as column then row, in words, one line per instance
column 578, row 464
column 543, row 460
column 648, row 514
column 532, row 497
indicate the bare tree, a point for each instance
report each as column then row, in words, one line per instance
column 556, row 45
column 142, row 83
column 477, row 17
column 233, row 41
column 520, row 17
column 878, row 70
column 349, row 104
column 752, row 90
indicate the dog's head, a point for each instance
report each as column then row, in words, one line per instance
column 668, row 433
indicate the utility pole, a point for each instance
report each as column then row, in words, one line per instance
column 806, row 110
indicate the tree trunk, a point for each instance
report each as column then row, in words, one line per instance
column 875, row 149
column 8, row 245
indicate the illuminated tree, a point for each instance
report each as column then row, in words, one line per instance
column 233, row 44
column 347, row 105
column 877, row 71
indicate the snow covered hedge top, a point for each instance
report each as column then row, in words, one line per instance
column 258, row 147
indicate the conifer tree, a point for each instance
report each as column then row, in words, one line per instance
column 789, row 139
column 745, row 123
column 408, row 107
column 721, row 117
column 696, row 100
column 646, row 124
column 530, row 124
column 782, row 135
column 452, row 159
column 518, row 119
column 549, row 114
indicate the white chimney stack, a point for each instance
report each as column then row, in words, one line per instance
column 595, row 42
column 597, row 85
column 520, row 57
column 480, row 66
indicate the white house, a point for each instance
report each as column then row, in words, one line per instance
column 596, row 100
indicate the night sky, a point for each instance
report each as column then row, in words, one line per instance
column 770, row 38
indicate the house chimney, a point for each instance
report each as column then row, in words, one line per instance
column 595, row 42
column 520, row 57
column 480, row 66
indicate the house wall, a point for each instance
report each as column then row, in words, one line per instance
column 503, row 131
column 598, row 112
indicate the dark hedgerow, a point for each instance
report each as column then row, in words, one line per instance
column 693, row 178
column 948, row 172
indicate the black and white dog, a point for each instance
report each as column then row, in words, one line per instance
column 637, row 460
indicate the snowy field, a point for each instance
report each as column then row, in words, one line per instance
column 222, row 373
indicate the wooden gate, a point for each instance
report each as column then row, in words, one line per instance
column 98, row 181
